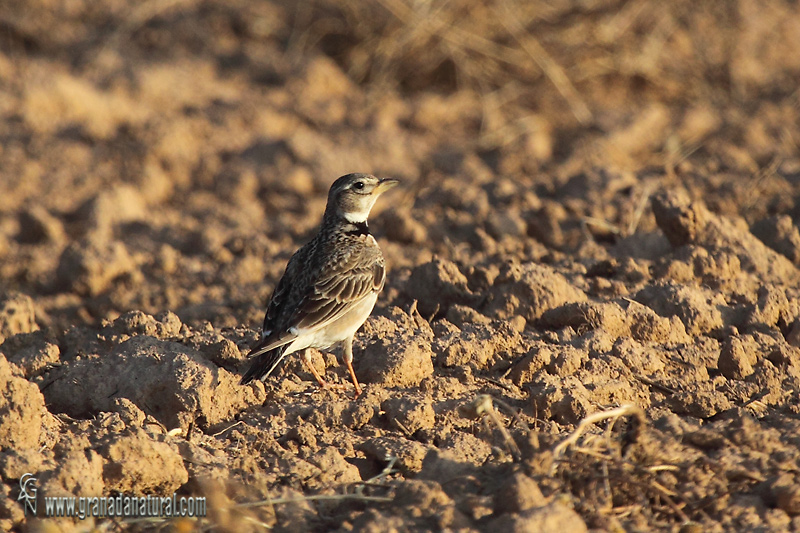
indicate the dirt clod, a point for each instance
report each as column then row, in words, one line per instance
column 681, row 220
column 700, row 310
column 437, row 285
column 519, row 493
column 551, row 517
column 781, row 234
column 38, row 225
column 395, row 350
column 530, row 290
column 17, row 315
column 22, row 410
column 32, row 352
column 164, row 379
column 89, row 267
column 137, row 464
column 784, row 493
column 409, row 414
column 737, row 357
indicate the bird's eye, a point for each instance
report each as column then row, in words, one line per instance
column 358, row 185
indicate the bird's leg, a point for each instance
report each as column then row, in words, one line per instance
column 310, row 365
column 348, row 360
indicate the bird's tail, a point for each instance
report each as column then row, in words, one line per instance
column 264, row 363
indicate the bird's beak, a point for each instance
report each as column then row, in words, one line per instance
column 385, row 184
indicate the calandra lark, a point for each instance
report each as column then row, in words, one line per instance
column 330, row 285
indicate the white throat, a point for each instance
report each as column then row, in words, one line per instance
column 356, row 218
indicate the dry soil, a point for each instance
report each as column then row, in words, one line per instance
column 599, row 209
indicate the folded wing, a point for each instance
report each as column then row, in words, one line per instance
column 331, row 296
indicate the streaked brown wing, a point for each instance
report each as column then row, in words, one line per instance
column 283, row 290
column 272, row 334
column 276, row 302
column 335, row 294
column 336, row 291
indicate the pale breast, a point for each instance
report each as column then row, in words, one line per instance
column 337, row 331
column 348, row 324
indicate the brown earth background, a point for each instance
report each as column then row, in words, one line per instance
column 598, row 217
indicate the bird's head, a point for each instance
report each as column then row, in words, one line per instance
column 352, row 196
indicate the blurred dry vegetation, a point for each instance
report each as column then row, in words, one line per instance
column 660, row 77
column 171, row 96
column 632, row 84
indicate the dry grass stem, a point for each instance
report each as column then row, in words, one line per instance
column 549, row 66
column 640, row 207
column 482, row 407
column 315, row 497
column 583, row 426
column 218, row 433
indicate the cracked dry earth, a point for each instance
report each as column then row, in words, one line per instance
column 154, row 184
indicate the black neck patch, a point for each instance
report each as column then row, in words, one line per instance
column 358, row 228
